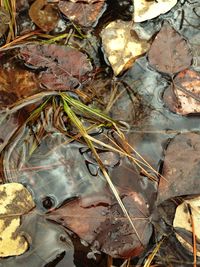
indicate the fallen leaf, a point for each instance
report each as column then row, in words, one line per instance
column 104, row 225
column 186, row 97
column 4, row 21
column 169, row 52
column 15, row 200
column 85, row 13
column 183, row 223
column 65, row 67
column 122, row 45
column 145, row 10
column 15, row 84
column 44, row 15
column 181, row 167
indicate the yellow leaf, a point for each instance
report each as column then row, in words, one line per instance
column 122, row 46
column 144, row 10
column 15, row 200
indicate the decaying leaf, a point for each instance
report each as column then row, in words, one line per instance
column 169, row 52
column 4, row 21
column 85, row 13
column 64, row 67
column 104, row 225
column 15, row 84
column 181, row 167
column 183, row 221
column 15, row 200
column 144, row 9
column 122, row 45
column 44, row 15
column 185, row 97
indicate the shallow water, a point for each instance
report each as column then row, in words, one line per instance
column 57, row 171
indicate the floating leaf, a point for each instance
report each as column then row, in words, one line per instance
column 15, row 201
column 183, row 221
column 85, row 13
column 185, row 99
column 65, row 67
column 169, row 52
column 4, row 21
column 104, row 226
column 145, row 10
column 122, row 45
column 44, row 15
column 181, row 167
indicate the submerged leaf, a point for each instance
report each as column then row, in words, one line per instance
column 85, row 13
column 187, row 92
column 104, row 226
column 44, row 15
column 65, row 67
column 145, row 10
column 169, row 52
column 4, row 21
column 122, row 45
column 180, row 174
column 183, row 223
column 15, row 200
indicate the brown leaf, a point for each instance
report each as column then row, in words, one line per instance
column 105, row 227
column 4, row 20
column 169, row 52
column 65, row 67
column 85, row 13
column 44, row 15
column 187, row 92
column 181, row 167
column 15, row 84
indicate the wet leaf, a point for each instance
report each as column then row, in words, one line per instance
column 65, row 67
column 187, row 92
column 145, row 10
column 122, row 45
column 183, row 223
column 85, row 13
column 44, row 15
column 4, row 21
column 181, row 167
column 104, row 225
column 15, row 201
column 169, row 52
column 16, row 83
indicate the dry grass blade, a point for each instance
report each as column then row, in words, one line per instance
column 19, row 40
column 153, row 254
column 193, row 235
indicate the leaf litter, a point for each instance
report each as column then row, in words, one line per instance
column 109, row 182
